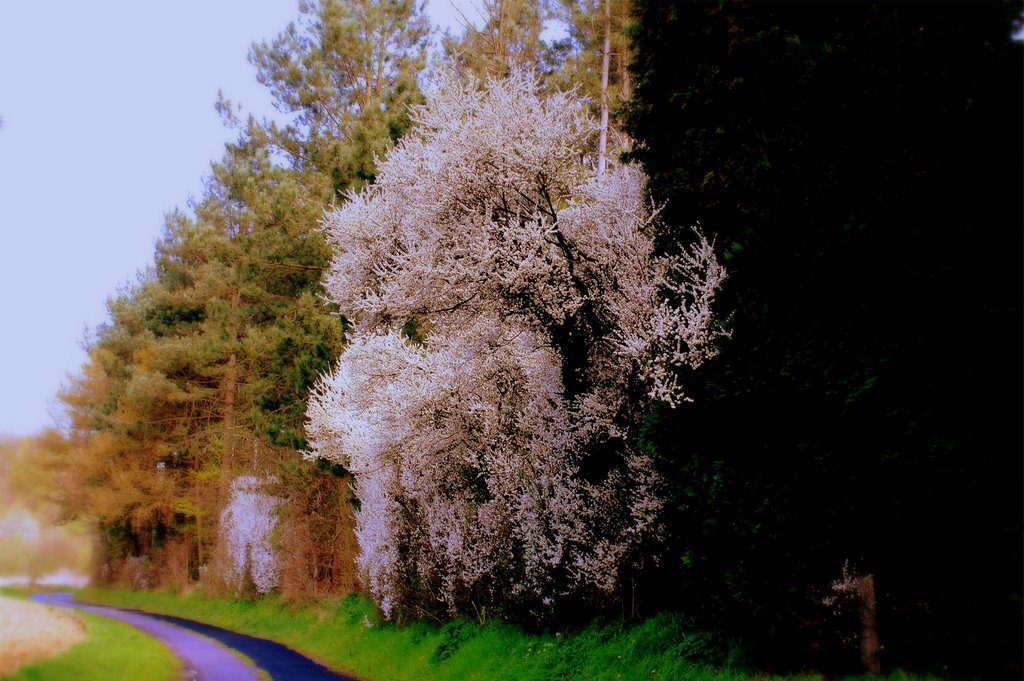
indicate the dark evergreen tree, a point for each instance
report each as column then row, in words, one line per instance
column 860, row 165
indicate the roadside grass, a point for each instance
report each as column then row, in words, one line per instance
column 336, row 632
column 112, row 650
column 347, row 635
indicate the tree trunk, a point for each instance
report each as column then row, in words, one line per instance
column 230, row 392
column 622, row 60
column 230, row 387
column 199, row 537
column 602, row 144
column 501, row 37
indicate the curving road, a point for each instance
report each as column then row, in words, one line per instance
column 204, row 659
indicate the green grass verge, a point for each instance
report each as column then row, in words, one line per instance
column 113, row 650
column 345, row 634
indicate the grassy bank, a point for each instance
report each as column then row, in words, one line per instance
column 345, row 634
column 112, row 650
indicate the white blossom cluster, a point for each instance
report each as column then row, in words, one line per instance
column 247, row 526
column 494, row 452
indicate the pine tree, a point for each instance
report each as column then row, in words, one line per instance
column 202, row 374
column 345, row 75
column 597, row 28
column 509, row 39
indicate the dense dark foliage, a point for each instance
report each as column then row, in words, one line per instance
column 860, row 166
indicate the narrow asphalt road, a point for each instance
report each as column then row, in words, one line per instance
column 205, row 660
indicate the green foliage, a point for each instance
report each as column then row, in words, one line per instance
column 670, row 633
column 585, row 25
column 347, row 73
column 508, row 39
column 453, row 635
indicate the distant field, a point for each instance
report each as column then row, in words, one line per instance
column 30, row 631
column 36, row 643
column 63, row 577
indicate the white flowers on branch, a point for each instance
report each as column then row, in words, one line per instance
column 494, row 452
column 247, row 526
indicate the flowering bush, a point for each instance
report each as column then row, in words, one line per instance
column 247, row 524
column 511, row 321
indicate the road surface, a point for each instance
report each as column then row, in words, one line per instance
column 205, row 650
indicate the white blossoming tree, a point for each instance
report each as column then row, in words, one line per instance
column 247, row 525
column 511, row 324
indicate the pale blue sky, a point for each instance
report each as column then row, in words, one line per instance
column 108, row 123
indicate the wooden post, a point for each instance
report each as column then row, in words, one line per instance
column 870, row 648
